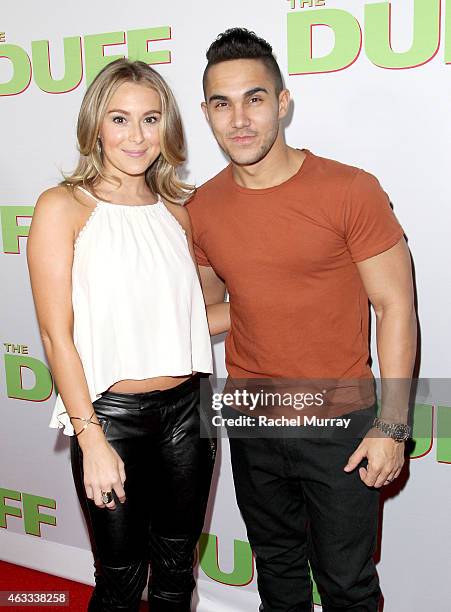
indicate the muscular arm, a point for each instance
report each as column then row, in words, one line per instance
column 213, row 288
column 387, row 279
column 50, row 257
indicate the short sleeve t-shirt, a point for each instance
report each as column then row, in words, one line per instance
column 287, row 255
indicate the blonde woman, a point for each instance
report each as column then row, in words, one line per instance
column 125, row 330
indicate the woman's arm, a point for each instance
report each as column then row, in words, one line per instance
column 50, row 257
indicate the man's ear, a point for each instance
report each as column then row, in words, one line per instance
column 204, row 108
column 284, row 103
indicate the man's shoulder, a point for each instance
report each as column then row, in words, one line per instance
column 338, row 187
column 221, row 178
column 334, row 172
column 209, row 191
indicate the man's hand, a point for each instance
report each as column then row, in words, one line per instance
column 385, row 459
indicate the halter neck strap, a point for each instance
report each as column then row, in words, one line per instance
column 88, row 193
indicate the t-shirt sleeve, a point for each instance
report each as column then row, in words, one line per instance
column 370, row 225
column 201, row 258
column 195, row 218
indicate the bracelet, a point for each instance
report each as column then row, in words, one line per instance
column 87, row 421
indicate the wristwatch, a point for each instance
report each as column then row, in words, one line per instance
column 400, row 432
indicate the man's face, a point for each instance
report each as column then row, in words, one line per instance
column 243, row 109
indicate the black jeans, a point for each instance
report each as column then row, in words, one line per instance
column 300, row 507
column 168, row 468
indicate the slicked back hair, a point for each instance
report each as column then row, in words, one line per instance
column 239, row 43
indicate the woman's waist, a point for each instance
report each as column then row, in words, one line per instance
column 111, row 400
column 147, row 385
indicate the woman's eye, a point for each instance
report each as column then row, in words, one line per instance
column 151, row 119
column 118, row 120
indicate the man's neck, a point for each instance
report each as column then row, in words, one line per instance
column 279, row 165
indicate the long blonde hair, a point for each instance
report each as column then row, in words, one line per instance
column 161, row 176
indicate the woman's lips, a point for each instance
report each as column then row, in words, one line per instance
column 133, row 153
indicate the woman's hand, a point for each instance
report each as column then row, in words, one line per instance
column 103, row 469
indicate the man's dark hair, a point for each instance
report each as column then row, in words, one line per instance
column 239, row 43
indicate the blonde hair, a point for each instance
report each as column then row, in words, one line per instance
column 161, row 176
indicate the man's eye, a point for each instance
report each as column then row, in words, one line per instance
column 221, row 104
column 255, row 99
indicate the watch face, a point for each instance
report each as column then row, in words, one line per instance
column 401, row 433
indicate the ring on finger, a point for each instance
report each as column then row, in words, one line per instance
column 107, row 496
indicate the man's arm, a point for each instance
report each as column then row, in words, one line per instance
column 214, row 291
column 213, row 287
column 218, row 312
column 387, row 279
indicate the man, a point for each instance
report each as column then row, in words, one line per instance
column 301, row 243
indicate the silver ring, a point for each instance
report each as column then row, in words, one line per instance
column 107, row 496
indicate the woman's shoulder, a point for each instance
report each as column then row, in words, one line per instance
column 58, row 199
column 60, row 209
column 62, row 202
column 55, row 216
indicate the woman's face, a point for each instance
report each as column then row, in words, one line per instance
column 129, row 132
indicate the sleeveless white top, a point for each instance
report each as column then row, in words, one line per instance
column 137, row 302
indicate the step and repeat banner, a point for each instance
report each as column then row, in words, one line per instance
column 370, row 83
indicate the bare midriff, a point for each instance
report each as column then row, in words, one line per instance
column 148, row 384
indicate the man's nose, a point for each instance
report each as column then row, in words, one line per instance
column 239, row 117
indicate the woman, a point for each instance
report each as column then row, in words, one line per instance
column 124, row 327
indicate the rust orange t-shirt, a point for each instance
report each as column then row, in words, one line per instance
column 287, row 255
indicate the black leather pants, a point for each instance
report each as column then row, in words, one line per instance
column 168, row 468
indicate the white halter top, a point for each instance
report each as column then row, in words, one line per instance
column 137, row 302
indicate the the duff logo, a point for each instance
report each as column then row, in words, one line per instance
column 27, row 378
column 83, row 57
